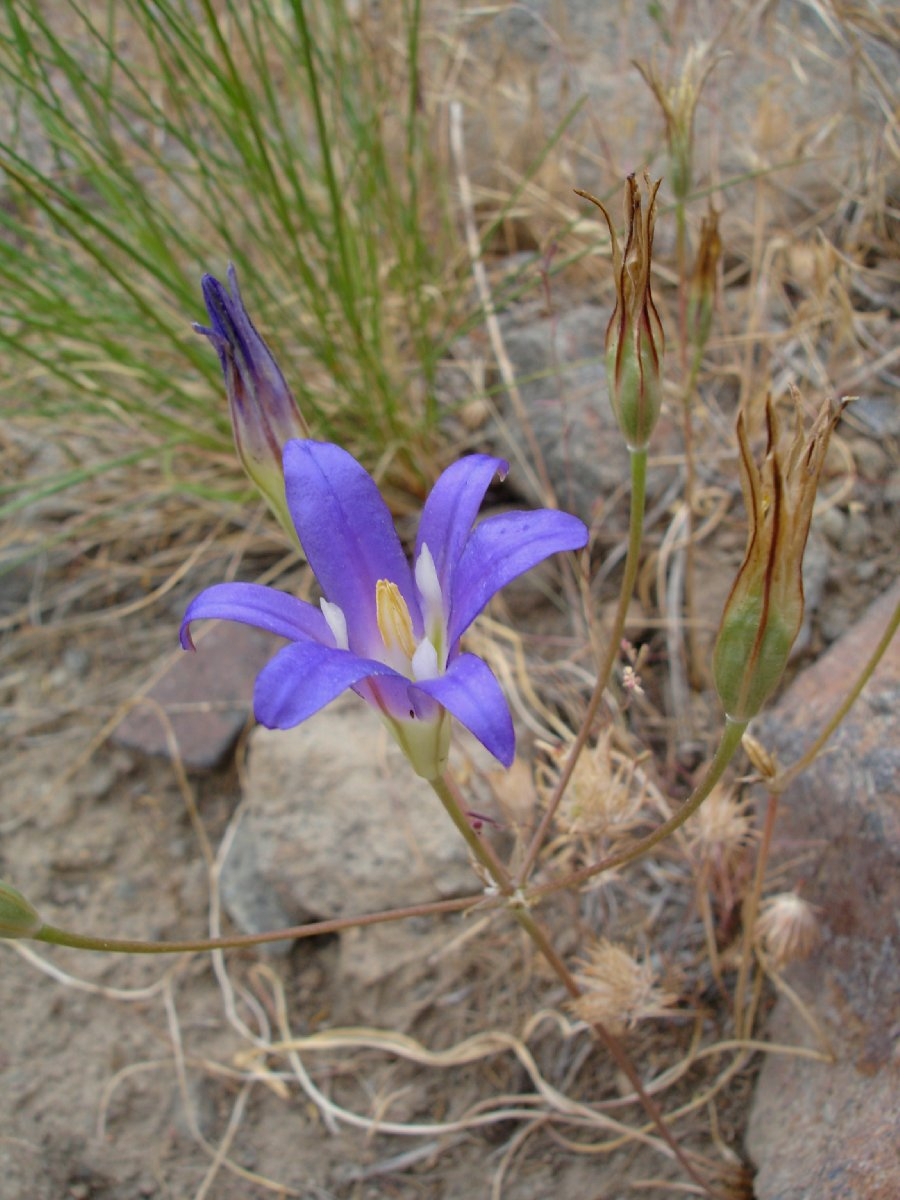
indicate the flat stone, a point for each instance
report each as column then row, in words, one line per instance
column 832, row 1130
column 337, row 824
column 207, row 697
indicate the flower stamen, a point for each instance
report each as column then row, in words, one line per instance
column 394, row 621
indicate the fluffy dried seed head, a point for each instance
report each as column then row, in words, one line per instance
column 787, row 928
column 602, row 797
column 618, row 990
column 722, row 827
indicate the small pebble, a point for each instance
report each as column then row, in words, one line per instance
column 857, row 532
column 866, row 570
column 834, row 620
column 832, row 523
column 76, row 661
column 871, row 460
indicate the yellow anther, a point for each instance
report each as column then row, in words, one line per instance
column 394, row 621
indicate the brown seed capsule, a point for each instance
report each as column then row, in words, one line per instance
column 764, row 611
column 635, row 342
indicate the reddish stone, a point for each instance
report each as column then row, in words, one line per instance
column 207, row 697
column 832, row 1130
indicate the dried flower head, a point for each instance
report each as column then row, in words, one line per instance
column 764, row 611
column 678, row 101
column 635, row 342
column 722, row 827
column 602, row 797
column 787, row 928
column 618, row 990
column 704, row 280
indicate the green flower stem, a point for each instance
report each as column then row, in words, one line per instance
column 784, row 778
column 62, row 937
column 632, row 561
column 448, row 794
column 681, row 268
column 730, row 740
column 695, row 670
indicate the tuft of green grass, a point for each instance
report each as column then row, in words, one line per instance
column 145, row 144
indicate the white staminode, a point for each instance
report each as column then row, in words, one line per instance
column 425, row 663
column 433, row 610
column 337, row 623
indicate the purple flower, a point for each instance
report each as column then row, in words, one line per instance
column 388, row 630
column 264, row 413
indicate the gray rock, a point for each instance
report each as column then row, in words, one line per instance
column 880, row 415
column 816, row 570
column 858, row 533
column 248, row 896
column 832, row 523
column 871, row 460
column 338, row 824
column 831, row 1131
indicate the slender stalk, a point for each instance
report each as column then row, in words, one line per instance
column 750, row 909
column 788, row 776
column 448, row 794
column 730, row 740
column 446, row 791
column 689, row 378
column 681, row 268
column 695, row 671
column 77, row 941
column 632, row 561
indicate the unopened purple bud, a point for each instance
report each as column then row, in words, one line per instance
column 264, row 414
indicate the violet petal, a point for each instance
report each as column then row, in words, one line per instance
column 502, row 548
column 348, row 535
column 264, row 607
column 451, row 509
column 304, row 677
column 472, row 694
